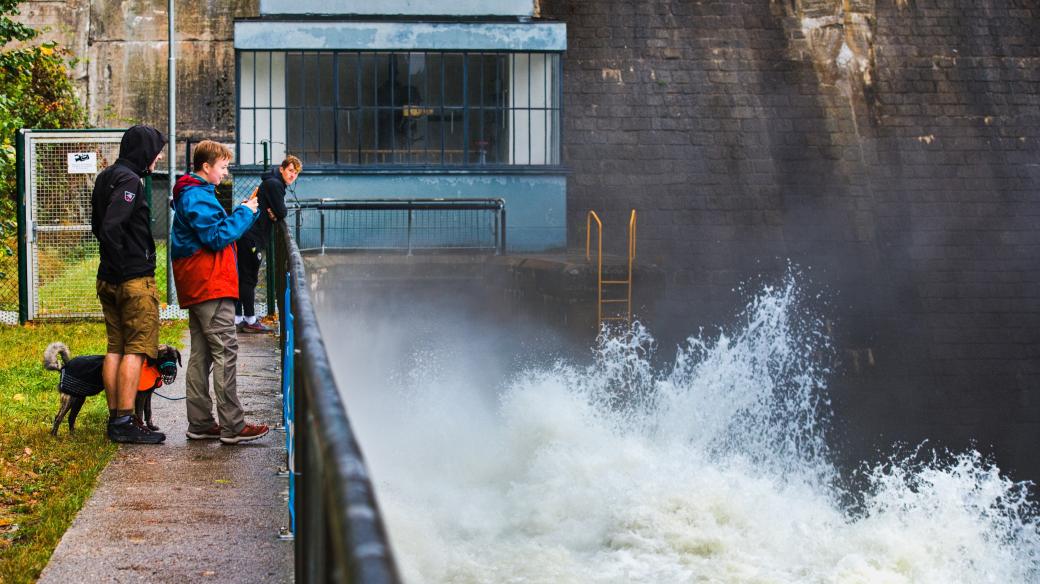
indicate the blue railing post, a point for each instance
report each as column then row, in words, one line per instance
column 288, row 412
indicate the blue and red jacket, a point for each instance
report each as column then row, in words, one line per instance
column 202, row 244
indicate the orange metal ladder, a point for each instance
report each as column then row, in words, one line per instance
column 600, row 282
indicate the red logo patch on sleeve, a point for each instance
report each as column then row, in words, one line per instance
column 128, row 196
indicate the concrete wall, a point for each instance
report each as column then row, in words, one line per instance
column 121, row 44
column 894, row 148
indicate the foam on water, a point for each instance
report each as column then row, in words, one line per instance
column 715, row 469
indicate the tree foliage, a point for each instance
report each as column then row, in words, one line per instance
column 35, row 92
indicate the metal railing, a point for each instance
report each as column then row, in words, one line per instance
column 406, row 225
column 600, row 282
column 337, row 526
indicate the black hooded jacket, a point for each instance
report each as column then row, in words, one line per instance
column 271, row 208
column 119, row 212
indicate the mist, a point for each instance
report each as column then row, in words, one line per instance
column 501, row 453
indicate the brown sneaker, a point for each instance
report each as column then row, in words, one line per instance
column 249, row 432
column 212, row 433
column 255, row 327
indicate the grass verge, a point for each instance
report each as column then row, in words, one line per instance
column 45, row 480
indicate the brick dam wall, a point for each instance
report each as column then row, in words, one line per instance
column 893, row 147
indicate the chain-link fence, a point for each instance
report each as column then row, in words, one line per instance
column 49, row 271
column 58, row 253
column 240, row 185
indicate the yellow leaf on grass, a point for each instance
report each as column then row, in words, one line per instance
column 18, row 397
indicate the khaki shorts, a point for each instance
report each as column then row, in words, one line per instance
column 131, row 316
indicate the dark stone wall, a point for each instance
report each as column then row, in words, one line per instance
column 890, row 149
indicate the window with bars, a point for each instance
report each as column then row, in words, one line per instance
column 364, row 108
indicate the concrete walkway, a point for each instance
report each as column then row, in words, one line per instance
column 189, row 511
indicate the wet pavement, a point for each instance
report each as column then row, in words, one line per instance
column 190, row 510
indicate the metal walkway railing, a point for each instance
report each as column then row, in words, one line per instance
column 405, row 225
column 335, row 520
column 600, row 282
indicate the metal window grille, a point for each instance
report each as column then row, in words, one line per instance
column 363, row 108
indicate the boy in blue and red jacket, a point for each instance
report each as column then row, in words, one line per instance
column 202, row 246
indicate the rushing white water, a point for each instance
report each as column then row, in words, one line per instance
column 714, row 470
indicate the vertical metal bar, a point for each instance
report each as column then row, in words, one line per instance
column 335, row 107
column 443, row 138
column 495, row 233
column 321, row 214
column 23, row 244
column 171, row 291
column 273, row 267
column 426, row 92
column 360, row 107
column 299, row 221
column 267, row 159
column 631, row 258
column 375, row 104
column 304, row 544
column 252, row 147
column 409, row 231
column 238, row 106
column 270, row 100
column 301, row 83
column 529, row 124
column 408, row 104
column 483, row 146
column 512, row 107
column 502, row 212
column 558, row 107
column 465, row 108
column 545, row 108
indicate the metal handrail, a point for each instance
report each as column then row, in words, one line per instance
column 339, row 532
column 599, row 267
column 599, row 260
column 409, row 205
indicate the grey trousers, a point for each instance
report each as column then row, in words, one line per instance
column 214, row 347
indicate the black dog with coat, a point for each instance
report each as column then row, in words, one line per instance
column 81, row 378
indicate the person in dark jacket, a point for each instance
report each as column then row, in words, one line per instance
column 126, row 277
column 271, row 197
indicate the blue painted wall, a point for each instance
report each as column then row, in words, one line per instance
column 517, row 8
column 536, row 205
column 276, row 35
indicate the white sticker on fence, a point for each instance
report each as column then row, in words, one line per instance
column 82, row 162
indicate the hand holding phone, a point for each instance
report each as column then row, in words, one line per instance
column 252, row 202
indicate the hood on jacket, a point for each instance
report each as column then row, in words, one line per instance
column 139, row 147
column 274, row 173
column 185, row 181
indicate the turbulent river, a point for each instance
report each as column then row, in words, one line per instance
column 615, row 469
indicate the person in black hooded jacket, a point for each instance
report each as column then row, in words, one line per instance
column 126, row 277
column 271, row 197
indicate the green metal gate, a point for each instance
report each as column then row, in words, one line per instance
column 58, row 254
